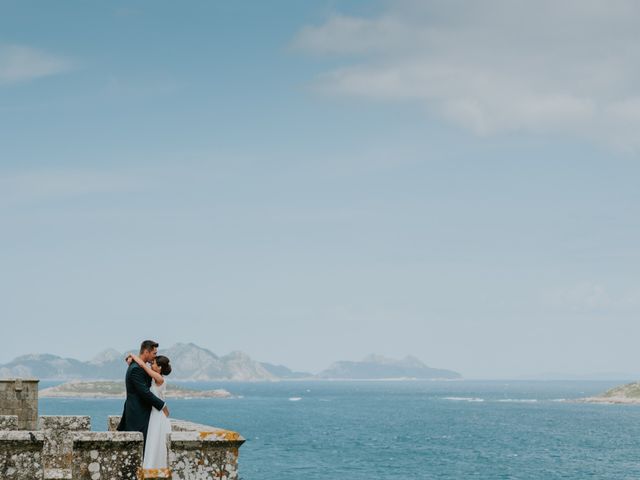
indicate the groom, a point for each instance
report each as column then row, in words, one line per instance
column 140, row 400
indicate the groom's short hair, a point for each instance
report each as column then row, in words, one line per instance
column 148, row 345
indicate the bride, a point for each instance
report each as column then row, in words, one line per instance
column 155, row 449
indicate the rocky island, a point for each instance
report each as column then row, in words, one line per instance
column 109, row 389
column 377, row 367
column 624, row 394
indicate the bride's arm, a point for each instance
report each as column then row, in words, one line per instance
column 159, row 379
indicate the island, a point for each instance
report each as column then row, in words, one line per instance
column 624, row 394
column 112, row 389
column 378, row 367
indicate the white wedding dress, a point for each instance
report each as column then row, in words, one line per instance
column 155, row 450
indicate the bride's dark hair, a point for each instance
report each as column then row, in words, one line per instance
column 163, row 363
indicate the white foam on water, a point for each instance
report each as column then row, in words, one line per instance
column 518, row 400
column 295, row 399
column 464, row 399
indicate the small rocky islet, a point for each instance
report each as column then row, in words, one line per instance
column 628, row 394
column 113, row 389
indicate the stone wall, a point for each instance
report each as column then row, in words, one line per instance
column 21, row 455
column 198, row 452
column 19, row 397
column 59, row 434
column 64, row 448
column 107, row 456
column 65, row 454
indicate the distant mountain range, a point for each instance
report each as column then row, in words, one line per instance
column 191, row 362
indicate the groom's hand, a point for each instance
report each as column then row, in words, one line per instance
column 165, row 410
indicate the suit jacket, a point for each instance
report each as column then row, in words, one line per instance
column 140, row 400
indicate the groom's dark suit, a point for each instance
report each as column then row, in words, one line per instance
column 140, row 400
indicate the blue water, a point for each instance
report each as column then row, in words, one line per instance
column 412, row 430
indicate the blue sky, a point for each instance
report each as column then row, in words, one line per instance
column 315, row 181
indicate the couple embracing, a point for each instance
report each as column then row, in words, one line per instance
column 145, row 409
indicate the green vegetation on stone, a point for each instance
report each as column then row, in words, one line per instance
column 630, row 390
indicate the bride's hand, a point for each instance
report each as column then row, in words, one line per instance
column 137, row 359
column 129, row 359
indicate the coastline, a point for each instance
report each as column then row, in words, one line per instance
column 608, row 400
column 116, row 390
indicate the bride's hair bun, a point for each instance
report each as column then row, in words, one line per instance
column 164, row 364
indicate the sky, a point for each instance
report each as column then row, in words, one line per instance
column 316, row 181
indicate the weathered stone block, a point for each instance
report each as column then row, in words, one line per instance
column 57, row 474
column 21, row 455
column 74, row 423
column 8, row 422
column 9, row 403
column 199, row 452
column 30, row 413
column 107, row 455
column 20, row 397
column 192, row 459
column 59, row 433
column 112, row 422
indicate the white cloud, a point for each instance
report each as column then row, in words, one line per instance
column 569, row 66
column 20, row 63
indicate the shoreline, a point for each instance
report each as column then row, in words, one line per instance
column 608, row 400
column 116, row 390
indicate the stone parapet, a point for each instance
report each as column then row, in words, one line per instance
column 21, row 455
column 107, row 455
column 59, row 434
column 65, row 448
column 198, row 452
column 193, row 457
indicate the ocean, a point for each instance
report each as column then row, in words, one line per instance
column 411, row 429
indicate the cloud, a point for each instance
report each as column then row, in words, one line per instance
column 569, row 67
column 20, row 64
